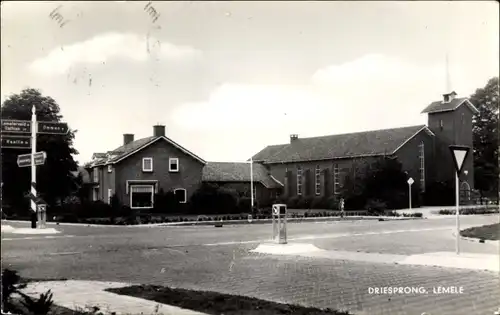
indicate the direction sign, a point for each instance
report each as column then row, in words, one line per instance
column 51, row 127
column 24, row 160
column 410, row 181
column 16, row 142
column 459, row 154
column 16, row 126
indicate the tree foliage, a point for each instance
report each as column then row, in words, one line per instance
column 381, row 182
column 55, row 179
column 485, row 137
column 213, row 199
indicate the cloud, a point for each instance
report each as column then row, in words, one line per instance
column 371, row 92
column 237, row 106
column 105, row 47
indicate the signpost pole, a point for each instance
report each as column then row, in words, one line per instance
column 251, row 184
column 410, row 182
column 409, row 195
column 33, row 165
column 457, row 213
column 459, row 154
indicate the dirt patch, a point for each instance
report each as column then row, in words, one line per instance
column 218, row 303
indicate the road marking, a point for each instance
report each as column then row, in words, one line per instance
column 324, row 236
column 64, row 253
column 35, row 237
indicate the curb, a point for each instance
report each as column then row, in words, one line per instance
column 476, row 240
column 290, row 220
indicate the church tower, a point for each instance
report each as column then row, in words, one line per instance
column 450, row 119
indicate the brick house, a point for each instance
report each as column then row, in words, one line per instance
column 139, row 169
column 266, row 188
column 318, row 166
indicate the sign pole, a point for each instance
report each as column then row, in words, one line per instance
column 33, row 165
column 457, row 213
column 409, row 194
column 251, row 184
column 410, row 182
column 459, row 154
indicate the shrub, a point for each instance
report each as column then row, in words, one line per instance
column 332, row 203
column 245, row 204
column 293, row 202
column 166, row 202
column 11, row 284
column 210, row 198
column 375, row 206
column 39, row 307
column 319, row 203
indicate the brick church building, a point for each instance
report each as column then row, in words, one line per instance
column 317, row 166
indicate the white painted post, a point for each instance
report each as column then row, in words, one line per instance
column 457, row 213
column 33, row 151
column 410, row 182
column 409, row 194
column 251, row 184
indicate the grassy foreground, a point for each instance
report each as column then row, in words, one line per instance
column 486, row 232
column 217, row 303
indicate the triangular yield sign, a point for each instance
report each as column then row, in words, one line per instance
column 459, row 154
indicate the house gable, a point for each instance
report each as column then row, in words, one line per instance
column 124, row 153
column 129, row 170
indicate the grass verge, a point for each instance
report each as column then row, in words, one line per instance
column 218, row 303
column 486, row 232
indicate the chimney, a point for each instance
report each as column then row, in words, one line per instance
column 449, row 97
column 293, row 138
column 159, row 130
column 127, row 138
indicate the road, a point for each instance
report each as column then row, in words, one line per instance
column 220, row 259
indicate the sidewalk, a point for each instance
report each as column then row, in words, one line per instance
column 469, row 261
column 9, row 229
column 80, row 295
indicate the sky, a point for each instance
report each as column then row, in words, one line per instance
column 229, row 78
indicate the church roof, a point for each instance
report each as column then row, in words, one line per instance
column 350, row 145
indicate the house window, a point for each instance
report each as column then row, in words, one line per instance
column 335, row 179
column 141, row 196
column 173, row 164
column 441, row 124
column 96, row 174
column 299, row 180
column 181, row 195
column 95, row 193
column 422, row 166
column 110, row 194
column 147, row 164
column 317, row 180
column 110, row 168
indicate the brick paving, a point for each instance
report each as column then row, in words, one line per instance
column 159, row 257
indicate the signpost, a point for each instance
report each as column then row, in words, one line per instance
column 10, row 128
column 410, row 182
column 24, row 160
column 16, row 142
column 459, row 154
column 16, row 126
column 50, row 127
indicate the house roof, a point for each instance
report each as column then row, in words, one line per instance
column 238, row 172
column 440, row 106
column 359, row 144
column 133, row 147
